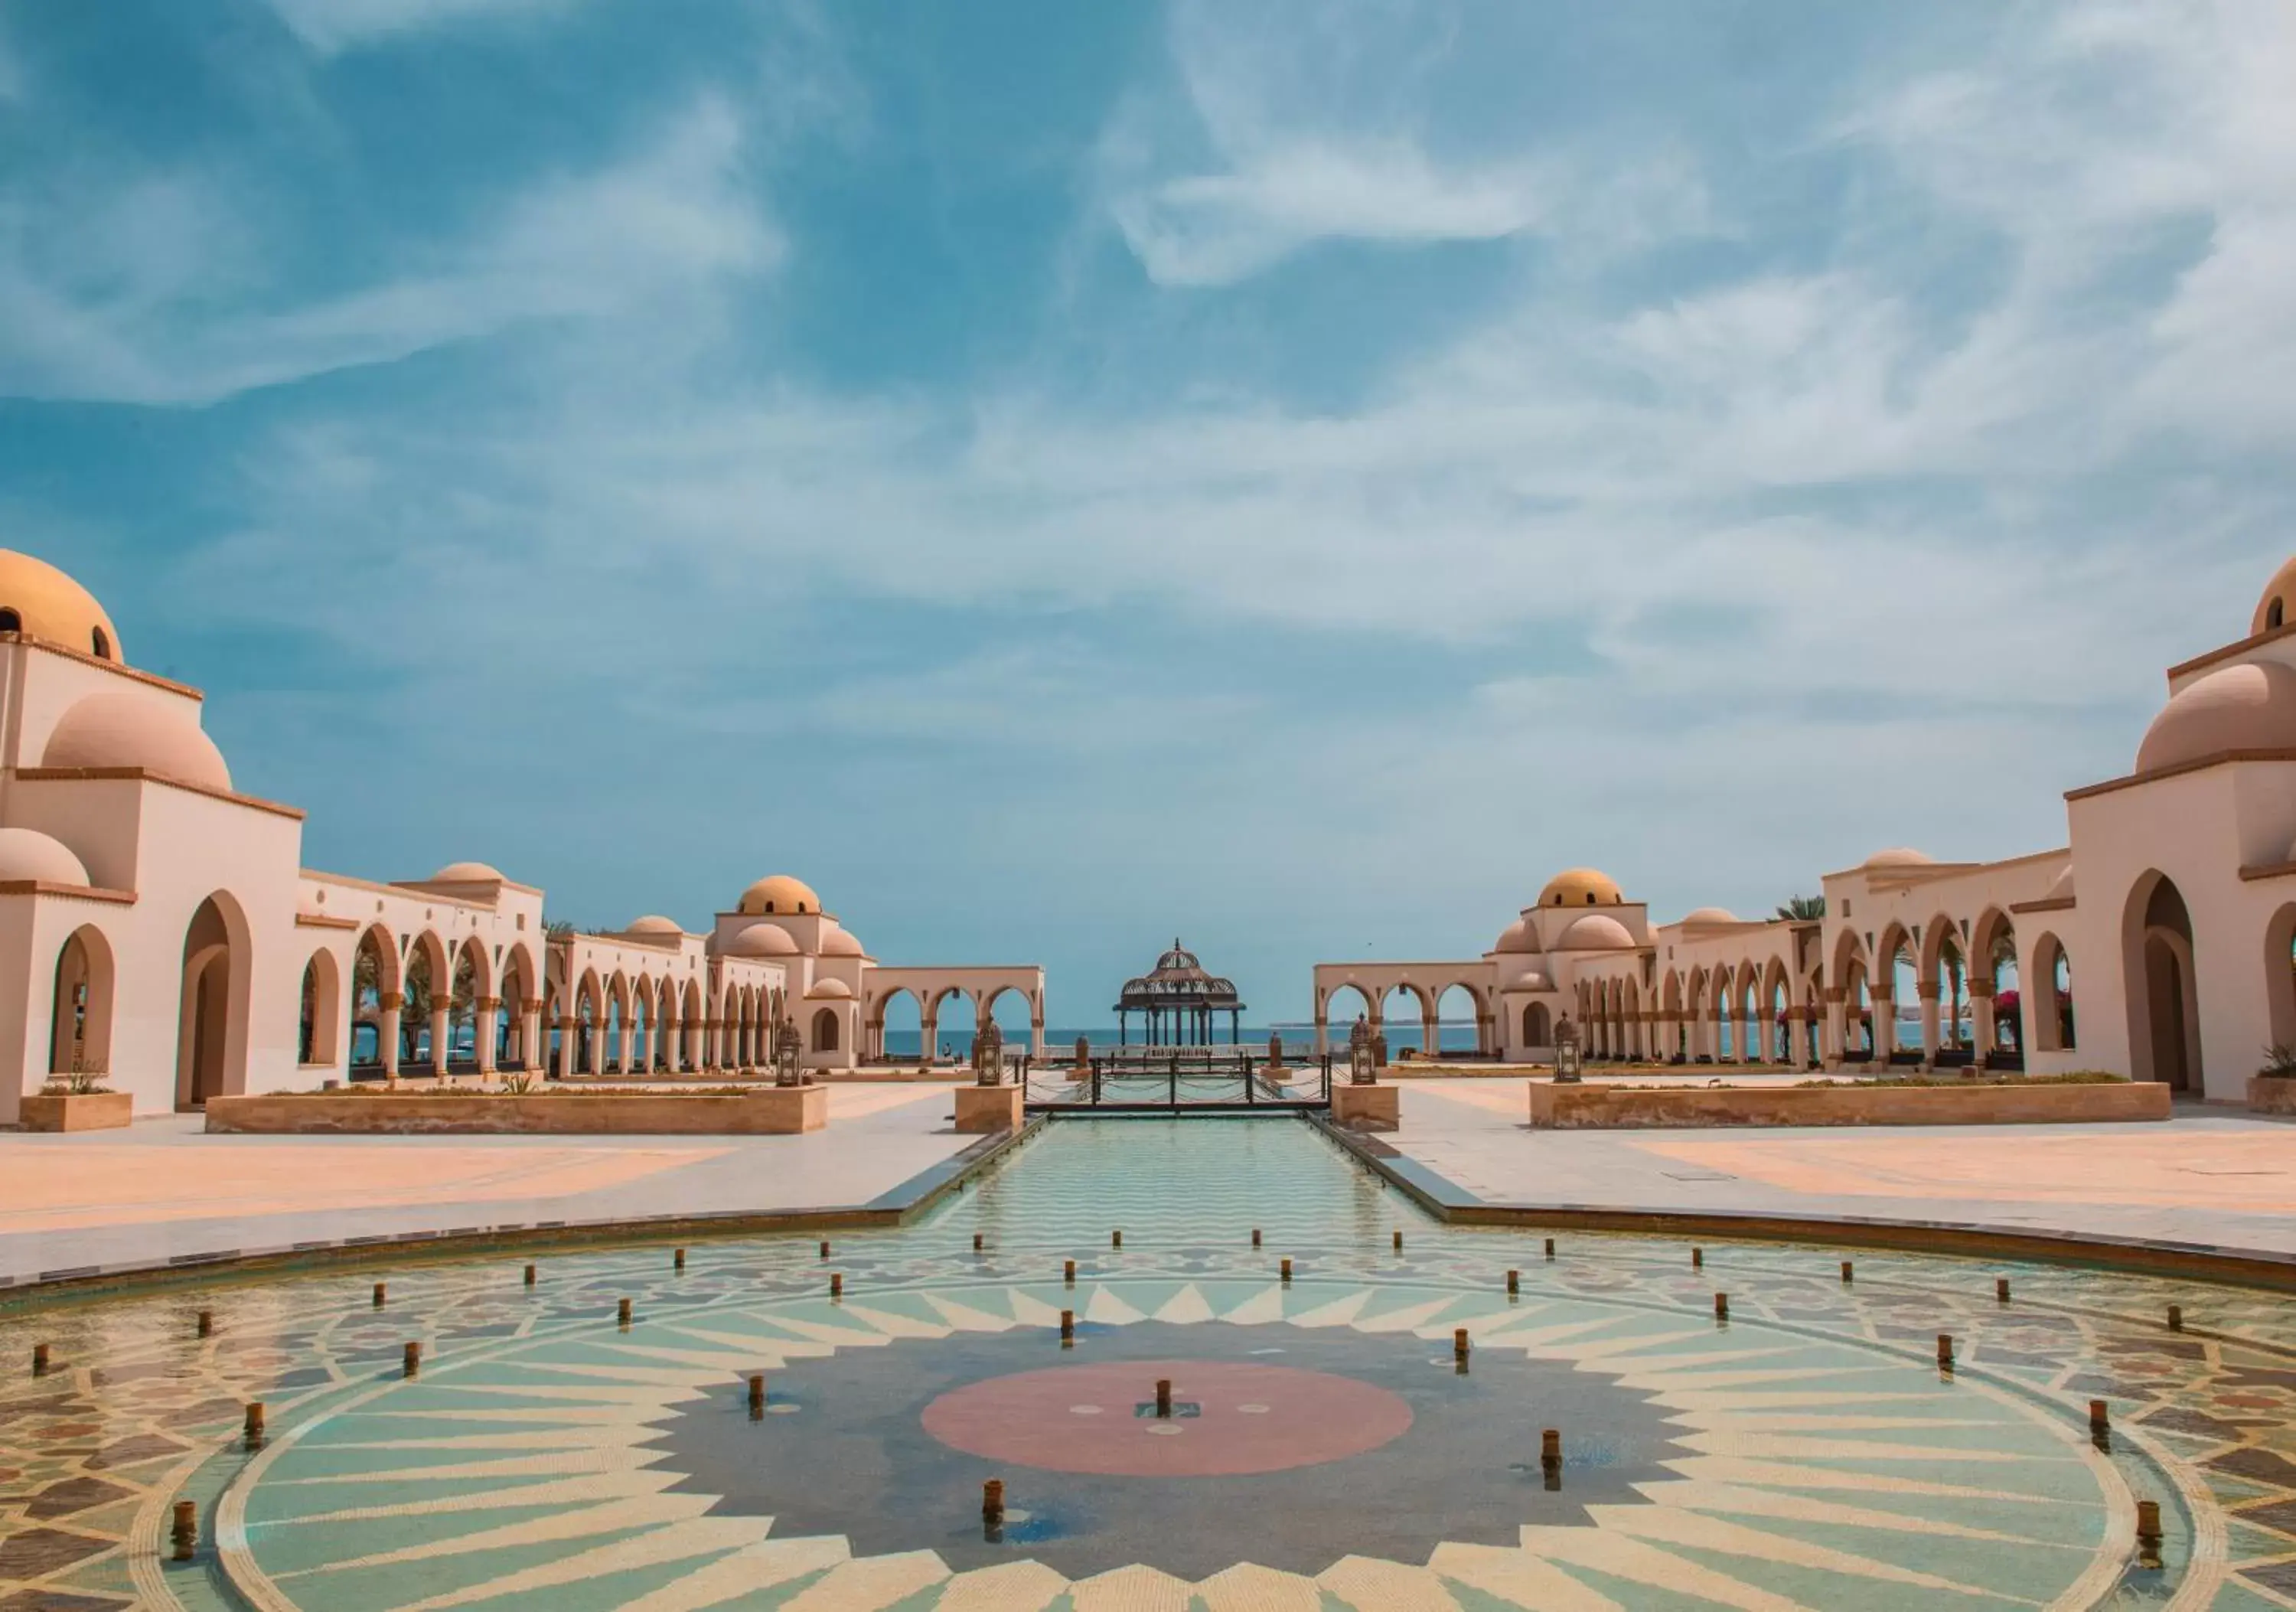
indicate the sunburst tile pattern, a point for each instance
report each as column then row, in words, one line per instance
column 1806, row 1451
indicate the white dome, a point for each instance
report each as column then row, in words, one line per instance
column 654, row 923
column 153, row 733
column 27, row 854
column 1516, row 937
column 466, row 873
column 829, row 990
column 1898, row 856
column 2250, row 706
column 762, row 940
column 842, row 943
column 1596, row 931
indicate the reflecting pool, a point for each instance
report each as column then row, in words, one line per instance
column 1365, row 1433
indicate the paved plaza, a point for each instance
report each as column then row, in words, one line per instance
column 2207, row 1178
column 164, row 1191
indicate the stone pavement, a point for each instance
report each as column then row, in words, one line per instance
column 163, row 1191
column 2207, row 1179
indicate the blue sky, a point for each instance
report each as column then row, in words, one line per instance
column 1056, row 476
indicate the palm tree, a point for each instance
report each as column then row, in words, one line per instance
column 1803, row 909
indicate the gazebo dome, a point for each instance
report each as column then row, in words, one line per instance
column 1581, row 887
column 467, row 873
column 2277, row 607
column 1180, row 996
column 762, row 940
column 654, row 923
column 842, row 943
column 780, row 895
column 829, row 990
column 1898, row 856
column 1517, row 937
column 1710, row 914
column 1596, row 932
column 41, row 602
column 2251, row 706
column 139, row 731
column 27, row 854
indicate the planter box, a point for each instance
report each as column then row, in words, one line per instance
column 769, row 1111
column 1611, row 1107
column 981, row 1109
column 1367, row 1108
column 91, row 1111
column 2271, row 1094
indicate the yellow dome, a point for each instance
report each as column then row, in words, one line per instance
column 2277, row 607
column 779, row 895
column 41, row 602
column 1581, row 887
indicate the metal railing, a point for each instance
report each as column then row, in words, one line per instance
column 1180, row 1080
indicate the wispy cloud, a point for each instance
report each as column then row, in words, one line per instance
column 333, row 26
column 159, row 295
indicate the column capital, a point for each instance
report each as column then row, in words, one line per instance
column 391, row 1002
column 1927, row 989
column 489, row 1004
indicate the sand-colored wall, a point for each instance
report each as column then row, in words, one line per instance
column 1613, row 1108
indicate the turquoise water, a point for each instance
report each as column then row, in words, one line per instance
column 1806, row 1451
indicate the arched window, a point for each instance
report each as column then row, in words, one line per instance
column 103, row 643
column 1535, row 1030
column 10, row 622
column 2272, row 613
column 824, row 1030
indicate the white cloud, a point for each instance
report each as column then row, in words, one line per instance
column 333, row 26
column 156, row 295
column 1268, row 148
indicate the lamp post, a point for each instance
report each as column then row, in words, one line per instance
column 1362, row 1059
column 787, row 1051
column 1566, row 1054
column 988, row 1055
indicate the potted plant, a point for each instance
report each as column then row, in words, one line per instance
column 2273, row 1089
column 77, row 1101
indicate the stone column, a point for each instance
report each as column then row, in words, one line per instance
column 387, row 1027
column 1928, row 994
column 1983, row 1030
column 568, row 1025
column 1036, row 1029
column 1885, row 1025
column 441, row 1029
column 533, row 1051
column 1798, row 1036
column 490, row 1017
column 1834, row 1029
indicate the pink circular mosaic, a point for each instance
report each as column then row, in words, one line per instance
column 1229, row 1417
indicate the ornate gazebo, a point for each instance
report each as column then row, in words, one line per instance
column 1180, row 1002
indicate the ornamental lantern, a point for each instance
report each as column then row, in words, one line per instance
column 1566, row 1054
column 988, row 1055
column 788, row 1050
column 1362, row 1059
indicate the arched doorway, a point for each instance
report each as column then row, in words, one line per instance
column 1537, row 1027
column 209, row 1039
column 321, row 1011
column 80, row 1026
column 824, row 1030
column 2164, row 1031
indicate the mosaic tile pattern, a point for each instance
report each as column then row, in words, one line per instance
column 1824, row 1461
